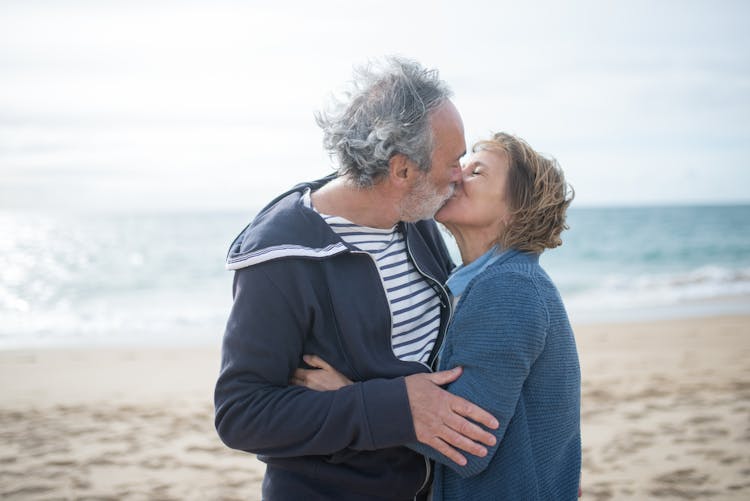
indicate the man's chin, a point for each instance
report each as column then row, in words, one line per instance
column 438, row 214
column 447, row 201
column 447, row 198
column 443, row 203
column 426, row 210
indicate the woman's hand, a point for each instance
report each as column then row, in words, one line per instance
column 323, row 378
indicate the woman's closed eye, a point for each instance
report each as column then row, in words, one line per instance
column 473, row 169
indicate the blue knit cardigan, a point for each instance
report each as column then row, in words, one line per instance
column 511, row 335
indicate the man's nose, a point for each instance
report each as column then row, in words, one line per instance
column 465, row 172
column 457, row 175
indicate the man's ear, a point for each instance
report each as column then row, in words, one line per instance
column 401, row 169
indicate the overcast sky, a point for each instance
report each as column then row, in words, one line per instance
column 209, row 105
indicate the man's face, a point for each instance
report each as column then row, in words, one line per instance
column 434, row 187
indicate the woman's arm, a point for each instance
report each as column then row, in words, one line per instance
column 497, row 333
column 326, row 378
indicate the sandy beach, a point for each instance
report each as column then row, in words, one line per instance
column 665, row 414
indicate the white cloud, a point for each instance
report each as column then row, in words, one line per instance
column 117, row 94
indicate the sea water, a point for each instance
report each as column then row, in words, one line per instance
column 159, row 278
column 651, row 262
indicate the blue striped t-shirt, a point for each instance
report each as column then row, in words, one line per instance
column 415, row 306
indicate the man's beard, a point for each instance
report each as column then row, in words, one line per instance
column 423, row 201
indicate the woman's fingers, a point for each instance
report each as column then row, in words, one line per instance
column 299, row 377
column 316, row 361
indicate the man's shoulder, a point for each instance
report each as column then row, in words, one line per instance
column 286, row 227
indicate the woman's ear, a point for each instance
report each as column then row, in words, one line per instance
column 507, row 219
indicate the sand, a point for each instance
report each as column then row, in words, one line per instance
column 666, row 409
column 665, row 414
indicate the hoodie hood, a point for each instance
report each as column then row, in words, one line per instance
column 285, row 228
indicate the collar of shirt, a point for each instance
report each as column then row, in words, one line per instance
column 462, row 275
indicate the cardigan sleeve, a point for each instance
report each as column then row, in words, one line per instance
column 498, row 331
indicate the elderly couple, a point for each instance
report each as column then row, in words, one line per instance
column 346, row 299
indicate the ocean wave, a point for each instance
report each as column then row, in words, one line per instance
column 160, row 277
column 619, row 291
column 138, row 317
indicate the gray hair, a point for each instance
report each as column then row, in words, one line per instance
column 387, row 111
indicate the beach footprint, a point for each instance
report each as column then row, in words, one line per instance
column 685, row 483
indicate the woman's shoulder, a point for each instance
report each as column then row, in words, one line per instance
column 505, row 295
column 517, row 267
column 503, row 281
column 519, row 278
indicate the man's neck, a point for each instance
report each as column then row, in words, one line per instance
column 374, row 207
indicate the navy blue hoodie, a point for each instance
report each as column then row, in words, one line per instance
column 298, row 288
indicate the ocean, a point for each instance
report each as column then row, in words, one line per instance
column 158, row 278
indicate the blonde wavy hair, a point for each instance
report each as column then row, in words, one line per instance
column 537, row 194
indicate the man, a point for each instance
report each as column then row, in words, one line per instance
column 351, row 268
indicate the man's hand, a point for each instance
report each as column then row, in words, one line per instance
column 440, row 418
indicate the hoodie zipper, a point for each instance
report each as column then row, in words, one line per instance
column 444, row 299
column 445, row 302
column 442, row 295
column 427, row 464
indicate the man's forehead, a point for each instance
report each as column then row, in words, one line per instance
column 447, row 116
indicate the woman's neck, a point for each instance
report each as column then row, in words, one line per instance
column 472, row 243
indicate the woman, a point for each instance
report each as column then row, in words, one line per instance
column 510, row 331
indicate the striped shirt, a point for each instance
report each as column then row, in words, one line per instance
column 415, row 306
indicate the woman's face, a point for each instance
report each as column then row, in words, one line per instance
column 481, row 200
